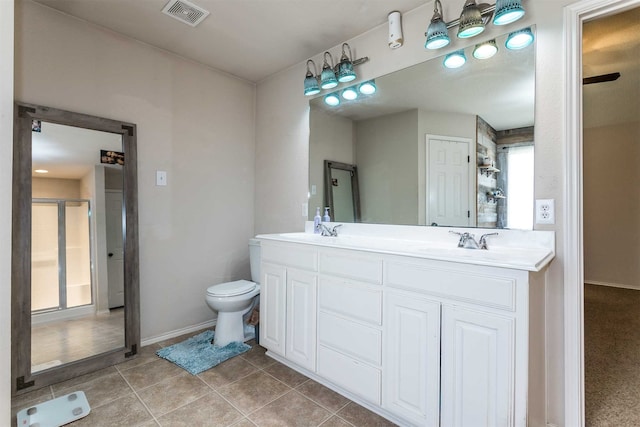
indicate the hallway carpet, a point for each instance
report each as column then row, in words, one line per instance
column 612, row 356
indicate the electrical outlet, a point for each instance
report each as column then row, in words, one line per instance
column 545, row 211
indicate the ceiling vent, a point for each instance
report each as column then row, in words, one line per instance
column 185, row 11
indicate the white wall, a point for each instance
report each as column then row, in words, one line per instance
column 6, row 130
column 282, row 131
column 331, row 139
column 193, row 122
column 387, row 159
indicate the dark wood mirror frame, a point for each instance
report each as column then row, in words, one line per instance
column 23, row 380
column 355, row 187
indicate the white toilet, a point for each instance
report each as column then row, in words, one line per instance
column 232, row 300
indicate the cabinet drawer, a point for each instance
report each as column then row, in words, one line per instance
column 350, row 337
column 353, row 265
column 350, row 374
column 291, row 255
column 349, row 299
column 491, row 290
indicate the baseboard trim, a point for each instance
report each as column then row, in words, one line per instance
column 67, row 314
column 611, row 285
column 176, row 333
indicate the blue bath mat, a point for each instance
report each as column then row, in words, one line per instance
column 197, row 354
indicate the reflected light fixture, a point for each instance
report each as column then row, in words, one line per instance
column 350, row 93
column 328, row 76
column 519, row 39
column 437, row 33
column 41, row 171
column 332, row 100
column 507, row 11
column 485, row 50
column 367, row 88
column 471, row 23
column 311, row 81
column 455, row 59
column 345, row 67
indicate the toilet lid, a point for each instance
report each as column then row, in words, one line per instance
column 230, row 289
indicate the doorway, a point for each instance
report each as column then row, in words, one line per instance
column 611, row 212
column 573, row 220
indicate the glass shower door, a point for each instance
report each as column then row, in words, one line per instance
column 61, row 255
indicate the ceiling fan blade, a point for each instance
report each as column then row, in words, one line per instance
column 601, row 78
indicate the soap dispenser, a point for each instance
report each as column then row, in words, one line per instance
column 326, row 217
column 316, row 221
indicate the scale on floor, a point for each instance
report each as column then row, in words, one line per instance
column 56, row 412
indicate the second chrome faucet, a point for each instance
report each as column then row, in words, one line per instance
column 468, row 240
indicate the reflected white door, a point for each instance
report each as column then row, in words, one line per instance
column 448, row 181
column 115, row 252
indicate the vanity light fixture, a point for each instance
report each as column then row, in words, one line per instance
column 455, row 59
column 485, row 50
column 311, row 86
column 367, row 88
column 345, row 67
column 350, row 93
column 328, row 78
column 471, row 22
column 519, row 39
column 41, row 171
column 437, row 33
column 507, row 11
column 332, row 100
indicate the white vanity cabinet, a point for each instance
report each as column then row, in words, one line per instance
column 288, row 302
column 420, row 341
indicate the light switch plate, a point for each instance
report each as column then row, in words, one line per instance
column 161, row 178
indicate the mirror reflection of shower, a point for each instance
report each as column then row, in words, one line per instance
column 76, row 287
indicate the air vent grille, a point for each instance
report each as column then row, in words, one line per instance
column 185, row 11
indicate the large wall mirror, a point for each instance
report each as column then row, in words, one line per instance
column 75, row 293
column 433, row 145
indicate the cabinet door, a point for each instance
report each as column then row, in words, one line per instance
column 301, row 318
column 273, row 299
column 477, row 368
column 411, row 374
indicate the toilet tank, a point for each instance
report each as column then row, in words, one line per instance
column 254, row 259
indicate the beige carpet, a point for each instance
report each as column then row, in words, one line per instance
column 612, row 356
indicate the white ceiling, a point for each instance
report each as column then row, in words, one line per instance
column 251, row 39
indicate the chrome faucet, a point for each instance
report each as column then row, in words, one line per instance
column 332, row 232
column 483, row 240
column 468, row 240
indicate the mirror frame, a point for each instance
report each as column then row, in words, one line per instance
column 23, row 380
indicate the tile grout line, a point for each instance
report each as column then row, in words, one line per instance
column 135, row 393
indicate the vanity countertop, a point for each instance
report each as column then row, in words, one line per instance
column 515, row 252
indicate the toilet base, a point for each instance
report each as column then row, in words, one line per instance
column 229, row 328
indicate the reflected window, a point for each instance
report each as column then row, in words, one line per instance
column 520, row 185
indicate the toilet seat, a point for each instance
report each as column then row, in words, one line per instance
column 231, row 289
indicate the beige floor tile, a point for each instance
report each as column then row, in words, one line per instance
column 286, row 375
column 145, row 355
column 151, row 373
column 322, row 395
column 101, row 390
column 336, row 422
column 292, row 409
column 210, row 410
column 257, row 357
column 172, row 393
column 227, row 372
column 125, row 412
column 253, row 391
column 74, row 382
column 362, row 417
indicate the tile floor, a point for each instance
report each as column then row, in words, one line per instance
column 249, row 390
